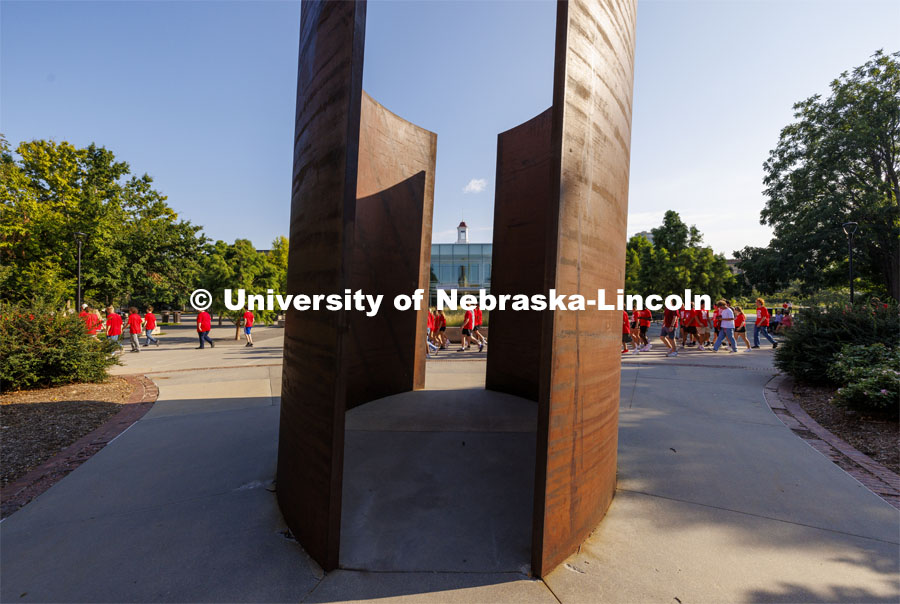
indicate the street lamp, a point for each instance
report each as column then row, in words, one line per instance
column 850, row 230
column 79, row 237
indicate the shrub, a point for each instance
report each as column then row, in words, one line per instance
column 819, row 334
column 40, row 346
column 870, row 376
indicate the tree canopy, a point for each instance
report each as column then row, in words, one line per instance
column 675, row 261
column 837, row 163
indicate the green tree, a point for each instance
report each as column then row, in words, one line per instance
column 134, row 244
column 837, row 163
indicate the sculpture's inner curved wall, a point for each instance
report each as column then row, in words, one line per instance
column 521, row 211
column 579, row 398
column 392, row 253
column 361, row 211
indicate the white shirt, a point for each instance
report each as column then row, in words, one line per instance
column 727, row 316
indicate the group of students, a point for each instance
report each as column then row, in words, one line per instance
column 146, row 324
column 694, row 327
column 436, row 331
column 113, row 325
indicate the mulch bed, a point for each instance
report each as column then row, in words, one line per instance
column 874, row 436
column 35, row 425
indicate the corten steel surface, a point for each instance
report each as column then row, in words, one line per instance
column 521, row 212
column 323, row 202
column 392, row 253
column 361, row 211
column 579, row 382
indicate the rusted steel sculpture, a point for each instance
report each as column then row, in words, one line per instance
column 361, row 206
column 578, row 152
column 362, row 199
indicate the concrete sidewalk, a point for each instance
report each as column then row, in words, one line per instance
column 717, row 500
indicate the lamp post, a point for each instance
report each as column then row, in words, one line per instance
column 79, row 238
column 850, row 230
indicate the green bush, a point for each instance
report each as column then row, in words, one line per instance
column 870, row 378
column 40, row 346
column 818, row 334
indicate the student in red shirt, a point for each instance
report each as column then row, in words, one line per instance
column 247, row 319
column 626, row 332
column 135, row 326
column 204, row 325
column 440, row 323
column 762, row 324
column 113, row 327
column 476, row 334
column 466, row 331
column 667, row 334
column 149, row 326
column 740, row 326
column 91, row 321
column 644, row 317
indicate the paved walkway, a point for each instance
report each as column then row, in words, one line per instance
column 716, row 501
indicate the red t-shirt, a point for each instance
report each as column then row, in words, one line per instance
column 430, row 321
column 441, row 321
column 83, row 314
column 644, row 317
column 134, row 323
column 477, row 316
column 92, row 324
column 248, row 319
column 762, row 316
column 204, row 321
column 150, row 318
column 113, row 325
column 739, row 319
column 669, row 318
column 626, row 327
column 468, row 322
column 717, row 318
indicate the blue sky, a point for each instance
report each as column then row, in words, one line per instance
column 200, row 95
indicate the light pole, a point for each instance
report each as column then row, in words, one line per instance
column 79, row 238
column 850, row 230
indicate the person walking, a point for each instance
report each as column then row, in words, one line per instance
column 476, row 333
column 247, row 318
column 667, row 333
column 204, row 326
column 644, row 317
column 441, row 325
column 92, row 322
column 762, row 324
column 113, row 327
column 740, row 327
column 135, row 327
column 626, row 332
column 149, row 326
column 726, row 328
column 466, row 331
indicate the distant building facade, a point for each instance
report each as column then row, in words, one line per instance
column 462, row 265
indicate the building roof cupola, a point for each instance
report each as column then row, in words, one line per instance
column 462, row 233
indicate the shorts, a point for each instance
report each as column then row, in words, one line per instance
column 443, row 329
column 667, row 332
column 633, row 325
column 691, row 329
column 466, row 332
column 247, row 330
column 702, row 330
column 626, row 338
column 476, row 328
column 643, row 330
column 740, row 329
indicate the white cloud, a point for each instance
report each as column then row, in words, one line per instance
column 476, row 185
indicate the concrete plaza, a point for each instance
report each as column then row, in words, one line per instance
column 716, row 499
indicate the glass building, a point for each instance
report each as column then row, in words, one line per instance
column 462, row 265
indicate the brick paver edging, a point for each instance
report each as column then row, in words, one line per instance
column 16, row 494
column 874, row 476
